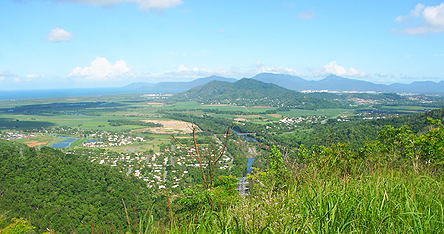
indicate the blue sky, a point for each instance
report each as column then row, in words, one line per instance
column 107, row 43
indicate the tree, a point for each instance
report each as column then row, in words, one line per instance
column 19, row 226
column 210, row 158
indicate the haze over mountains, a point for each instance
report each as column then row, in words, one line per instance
column 330, row 83
column 179, row 85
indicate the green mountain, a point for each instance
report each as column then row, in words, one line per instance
column 251, row 92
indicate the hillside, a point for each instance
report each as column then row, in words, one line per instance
column 250, row 92
column 63, row 192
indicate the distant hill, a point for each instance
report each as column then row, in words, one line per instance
column 139, row 85
column 250, row 92
column 337, row 83
column 286, row 81
column 419, row 87
column 331, row 83
column 179, row 85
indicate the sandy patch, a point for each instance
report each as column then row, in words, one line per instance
column 275, row 115
column 171, row 126
column 35, row 143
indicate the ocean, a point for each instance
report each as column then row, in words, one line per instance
column 6, row 95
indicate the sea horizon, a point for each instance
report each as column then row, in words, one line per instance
column 8, row 95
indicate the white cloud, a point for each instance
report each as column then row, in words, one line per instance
column 101, row 70
column 431, row 21
column 386, row 80
column 407, row 77
column 335, row 69
column 30, row 76
column 146, row 5
column 185, row 73
column 380, row 75
column 309, row 14
column 413, row 14
column 7, row 74
column 260, row 68
column 34, row 77
column 59, row 35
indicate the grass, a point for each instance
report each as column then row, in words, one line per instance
column 321, row 112
column 384, row 200
column 407, row 109
column 381, row 201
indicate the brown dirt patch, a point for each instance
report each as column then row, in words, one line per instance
column 170, row 126
column 35, row 143
column 275, row 115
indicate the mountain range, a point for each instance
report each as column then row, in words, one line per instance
column 330, row 83
column 178, row 85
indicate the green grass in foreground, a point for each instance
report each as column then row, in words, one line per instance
column 395, row 185
column 383, row 201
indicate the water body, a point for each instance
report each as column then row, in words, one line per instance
column 64, row 144
column 78, row 92
column 245, row 136
column 249, row 165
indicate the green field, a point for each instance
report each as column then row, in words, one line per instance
column 93, row 114
column 406, row 109
column 321, row 112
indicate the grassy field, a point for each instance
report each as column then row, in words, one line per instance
column 406, row 109
column 21, row 115
column 321, row 112
column 135, row 107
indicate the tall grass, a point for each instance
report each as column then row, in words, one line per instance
column 381, row 201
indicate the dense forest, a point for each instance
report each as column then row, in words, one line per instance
column 64, row 192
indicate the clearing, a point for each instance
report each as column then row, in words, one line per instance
column 171, row 126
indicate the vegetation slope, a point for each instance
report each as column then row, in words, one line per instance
column 250, row 92
column 62, row 192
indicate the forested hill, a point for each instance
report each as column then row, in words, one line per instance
column 250, row 92
column 63, row 192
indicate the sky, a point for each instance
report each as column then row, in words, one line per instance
column 109, row 43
